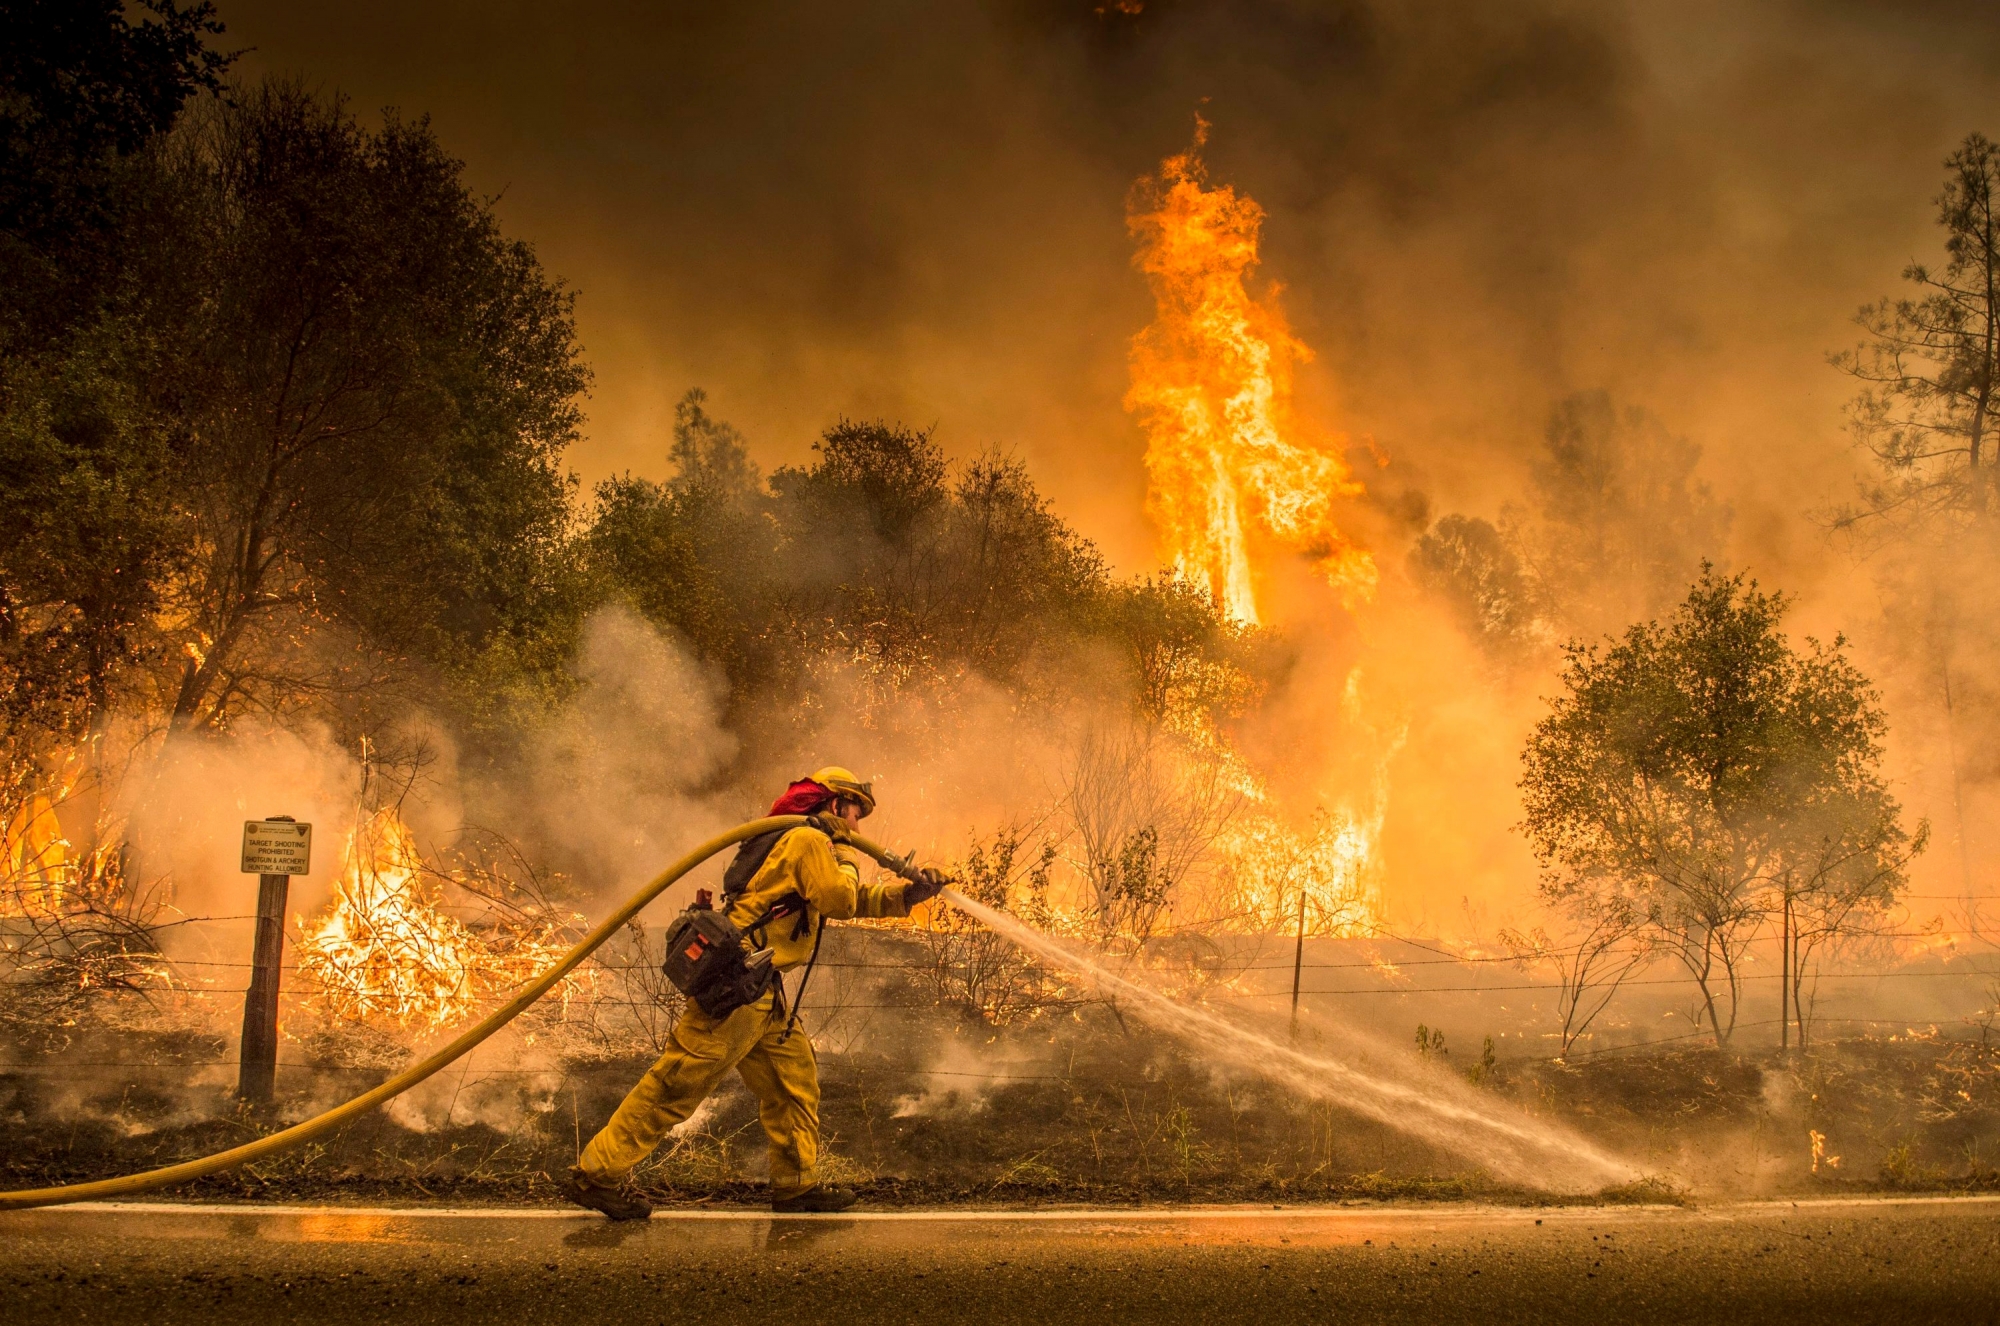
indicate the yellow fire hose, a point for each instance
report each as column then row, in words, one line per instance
column 300, row 1133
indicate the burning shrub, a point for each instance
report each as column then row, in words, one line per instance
column 56, row 963
column 971, row 968
column 387, row 951
column 73, row 927
column 1276, row 878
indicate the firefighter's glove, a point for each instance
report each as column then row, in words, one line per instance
column 927, row 885
column 832, row 826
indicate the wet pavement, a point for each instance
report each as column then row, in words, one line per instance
column 1906, row 1261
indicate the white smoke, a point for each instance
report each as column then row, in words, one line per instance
column 617, row 783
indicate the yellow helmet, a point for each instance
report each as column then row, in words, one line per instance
column 843, row 783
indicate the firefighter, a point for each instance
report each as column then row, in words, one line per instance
column 799, row 878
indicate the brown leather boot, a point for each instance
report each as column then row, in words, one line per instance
column 618, row 1203
column 816, row 1199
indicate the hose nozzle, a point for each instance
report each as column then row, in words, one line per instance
column 905, row 866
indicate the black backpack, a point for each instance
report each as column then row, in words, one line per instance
column 709, row 962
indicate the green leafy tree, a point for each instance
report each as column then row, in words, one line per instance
column 89, row 528
column 308, row 453
column 89, row 533
column 1700, row 773
column 373, row 389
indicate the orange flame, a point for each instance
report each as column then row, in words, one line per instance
column 35, row 858
column 43, row 872
column 1212, row 386
column 385, row 951
column 1320, row 880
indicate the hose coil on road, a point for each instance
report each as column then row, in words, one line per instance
column 463, row 1044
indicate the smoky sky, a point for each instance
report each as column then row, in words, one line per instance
column 916, row 211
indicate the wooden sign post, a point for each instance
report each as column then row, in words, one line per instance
column 274, row 850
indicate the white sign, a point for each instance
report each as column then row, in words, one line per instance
column 277, row 847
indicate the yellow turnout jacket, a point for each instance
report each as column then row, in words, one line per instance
column 806, row 865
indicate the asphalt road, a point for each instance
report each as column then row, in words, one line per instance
column 1905, row 1261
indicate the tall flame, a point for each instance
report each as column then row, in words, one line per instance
column 42, row 871
column 1212, row 386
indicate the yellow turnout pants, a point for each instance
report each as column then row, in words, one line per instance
column 784, row 1078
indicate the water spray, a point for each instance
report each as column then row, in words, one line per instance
column 1436, row 1109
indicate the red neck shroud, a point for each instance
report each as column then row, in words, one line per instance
column 804, row 797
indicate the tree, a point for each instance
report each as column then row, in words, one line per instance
column 884, row 561
column 89, row 529
column 921, row 568
column 708, row 454
column 86, row 531
column 1932, row 360
column 1924, row 415
column 1620, row 518
column 696, row 554
column 83, row 92
column 1189, row 664
column 1616, row 522
column 1471, row 566
column 1701, row 771
column 373, row 389
column 89, row 534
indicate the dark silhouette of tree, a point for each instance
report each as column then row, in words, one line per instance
column 1469, row 565
column 1616, row 522
column 696, row 554
column 83, row 90
column 88, row 529
column 885, row 559
column 1932, row 360
column 916, row 568
column 1620, row 519
column 1926, row 512
column 310, row 453
column 373, row 389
